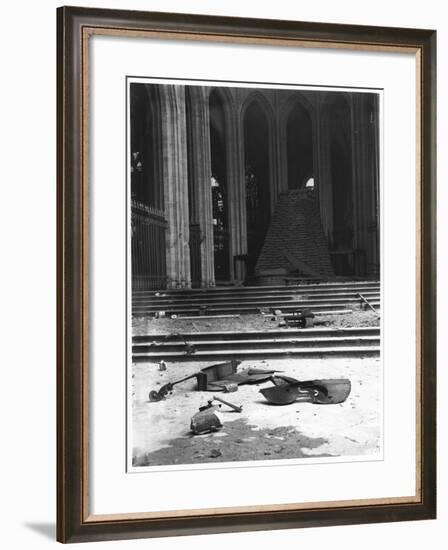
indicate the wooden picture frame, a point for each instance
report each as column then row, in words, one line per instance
column 76, row 25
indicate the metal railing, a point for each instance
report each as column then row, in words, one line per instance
column 148, row 247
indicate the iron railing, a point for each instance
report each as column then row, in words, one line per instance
column 148, row 247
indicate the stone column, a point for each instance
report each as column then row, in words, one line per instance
column 236, row 189
column 356, row 141
column 281, row 121
column 373, row 256
column 274, row 153
column 323, row 169
column 364, row 179
column 175, row 185
column 200, row 174
column 370, row 160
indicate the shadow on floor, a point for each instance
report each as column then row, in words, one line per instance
column 47, row 530
column 238, row 441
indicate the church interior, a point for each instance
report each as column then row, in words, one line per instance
column 236, row 185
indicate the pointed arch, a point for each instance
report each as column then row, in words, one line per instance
column 298, row 130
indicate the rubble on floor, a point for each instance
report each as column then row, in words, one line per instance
column 246, row 323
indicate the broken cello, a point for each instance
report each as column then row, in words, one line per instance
column 287, row 390
column 219, row 377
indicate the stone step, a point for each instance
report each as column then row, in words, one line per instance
column 273, row 352
column 225, row 345
column 161, row 300
column 355, row 286
column 248, row 308
column 275, row 334
column 254, row 304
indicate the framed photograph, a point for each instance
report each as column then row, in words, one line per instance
column 246, row 274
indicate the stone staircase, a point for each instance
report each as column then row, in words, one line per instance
column 212, row 346
column 322, row 298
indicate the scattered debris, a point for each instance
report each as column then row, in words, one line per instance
column 215, row 453
column 208, row 419
column 167, row 388
column 189, row 348
column 302, row 318
column 237, row 408
column 197, row 317
column 162, row 365
column 367, row 303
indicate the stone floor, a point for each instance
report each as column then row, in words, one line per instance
column 244, row 323
column 161, row 430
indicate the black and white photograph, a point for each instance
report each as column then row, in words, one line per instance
column 223, row 233
column 254, row 273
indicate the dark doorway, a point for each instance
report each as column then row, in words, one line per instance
column 256, row 147
column 342, row 249
column 148, row 224
column 300, row 147
column 219, row 187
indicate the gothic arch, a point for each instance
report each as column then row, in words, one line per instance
column 293, row 99
column 265, row 105
column 227, row 101
column 298, row 129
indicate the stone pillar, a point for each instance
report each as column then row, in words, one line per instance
column 369, row 158
column 356, row 142
column 274, row 153
column 236, row 189
column 281, row 121
column 175, row 185
column 200, row 174
column 373, row 251
column 365, row 151
column 323, row 169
